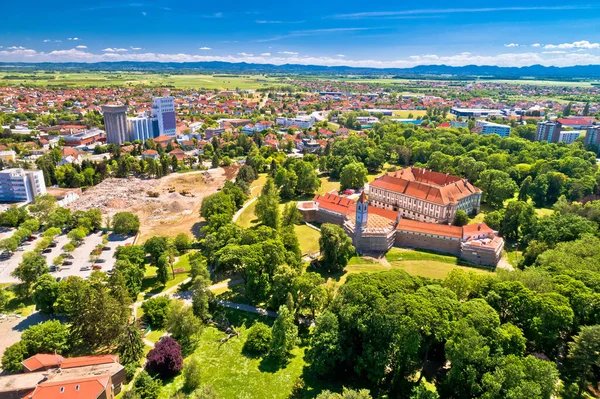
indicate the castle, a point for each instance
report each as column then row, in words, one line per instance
column 377, row 229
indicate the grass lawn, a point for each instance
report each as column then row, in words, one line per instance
column 401, row 254
column 17, row 306
column 328, row 185
column 154, row 336
column 151, row 286
column 232, row 374
column 422, row 268
column 308, row 238
column 248, row 217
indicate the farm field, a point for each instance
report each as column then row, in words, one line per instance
column 86, row 79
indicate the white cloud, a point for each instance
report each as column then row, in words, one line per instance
column 512, row 45
column 287, row 53
column 81, row 47
column 144, row 13
column 465, row 53
column 554, row 52
column 46, row 40
column 121, row 50
column 313, row 32
column 21, row 54
column 135, row 48
column 340, row 55
column 205, row 48
column 536, row 45
column 213, row 15
column 108, row 50
column 268, row 22
column 580, row 44
column 74, row 38
column 58, row 41
column 388, row 14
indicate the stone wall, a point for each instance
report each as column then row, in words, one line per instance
column 418, row 240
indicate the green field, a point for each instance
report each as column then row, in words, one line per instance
column 87, row 79
column 232, row 374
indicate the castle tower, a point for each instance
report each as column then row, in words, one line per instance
column 362, row 211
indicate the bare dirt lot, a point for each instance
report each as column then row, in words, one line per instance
column 175, row 209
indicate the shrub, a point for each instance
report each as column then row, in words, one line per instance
column 146, row 386
column 259, row 339
column 12, row 358
column 165, row 359
column 192, row 374
column 155, row 311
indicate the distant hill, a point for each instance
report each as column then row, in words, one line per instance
column 428, row 71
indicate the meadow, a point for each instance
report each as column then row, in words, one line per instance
column 112, row 79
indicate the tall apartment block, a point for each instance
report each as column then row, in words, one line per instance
column 17, row 185
column 163, row 109
column 115, row 123
column 493, row 128
column 548, row 131
column 592, row 136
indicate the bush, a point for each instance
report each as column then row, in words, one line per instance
column 146, row 386
column 192, row 374
column 125, row 223
column 165, row 359
column 259, row 339
column 130, row 370
column 12, row 358
column 155, row 311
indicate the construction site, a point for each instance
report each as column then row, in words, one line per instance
column 166, row 206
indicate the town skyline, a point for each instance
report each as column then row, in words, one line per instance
column 334, row 34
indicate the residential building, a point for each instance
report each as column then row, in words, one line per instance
column 163, row 109
column 493, row 128
column 115, row 123
column 302, row 121
column 7, row 156
column 548, row 131
column 374, row 229
column 577, row 122
column 143, row 128
column 475, row 112
column 592, row 136
column 150, row 154
column 85, row 137
column 209, row 133
column 17, row 185
column 424, row 195
column 53, row 376
column 569, row 136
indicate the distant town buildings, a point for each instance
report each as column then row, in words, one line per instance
column 475, row 112
column 17, row 185
column 163, row 109
column 301, row 121
column 115, row 123
column 493, row 128
column 7, row 156
column 548, row 131
column 142, row 128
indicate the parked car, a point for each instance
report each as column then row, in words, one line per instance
column 52, row 245
column 47, row 251
column 106, row 248
column 68, row 256
column 97, row 267
column 84, row 268
column 67, row 263
column 101, row 261
column 53, row 269
column 32, row 238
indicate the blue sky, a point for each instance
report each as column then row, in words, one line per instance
column 350, row 32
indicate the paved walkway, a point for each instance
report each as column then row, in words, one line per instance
column 247, row 308
column 242, row 209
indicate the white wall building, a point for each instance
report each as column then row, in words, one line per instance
column 141, row 128
column 17, row 185
column 302, row 121
column 568, row 136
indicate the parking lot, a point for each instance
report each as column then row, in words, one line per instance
column 81, row 256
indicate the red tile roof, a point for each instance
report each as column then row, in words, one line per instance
column 429, row 228
column 39, row 361
column 83, row 388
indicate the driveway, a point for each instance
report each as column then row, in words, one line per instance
column 7, row 266
column 12, row 327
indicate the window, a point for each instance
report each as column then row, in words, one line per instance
column 62, row 389
column 77, row 387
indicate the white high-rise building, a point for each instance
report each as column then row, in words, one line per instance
column 18, row 185
column 142, row 128
column 163, row 109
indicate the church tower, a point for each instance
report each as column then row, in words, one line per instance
column 362, row 212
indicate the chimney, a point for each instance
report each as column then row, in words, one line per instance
column 479, row 227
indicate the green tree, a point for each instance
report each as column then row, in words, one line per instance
column 125, row 223
column 353, row 175
column 30, row 269
column 267, row 205
column 284, row 334
column 47, row 337
column 12, row 358
column 156, row 310
column 324, row 353
column 336, row 247
column 461, row 218
column 291, row 215
column 258, row 341
column 130, row 345
column 146, row 386
column 497, row 187
column 45, row 293
column 182, row 242
column 519, row 219
column 583, row 358
column 192, row 374
column 182, row 324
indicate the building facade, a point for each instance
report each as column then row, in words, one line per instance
column 548, row 131
column 142, row 128
column 115, row 123
column 424, row 195
column 569, row 137
column 302, row 121
column 592, row 136
column 493, row 128
column 163, row 109
column 17, row 185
